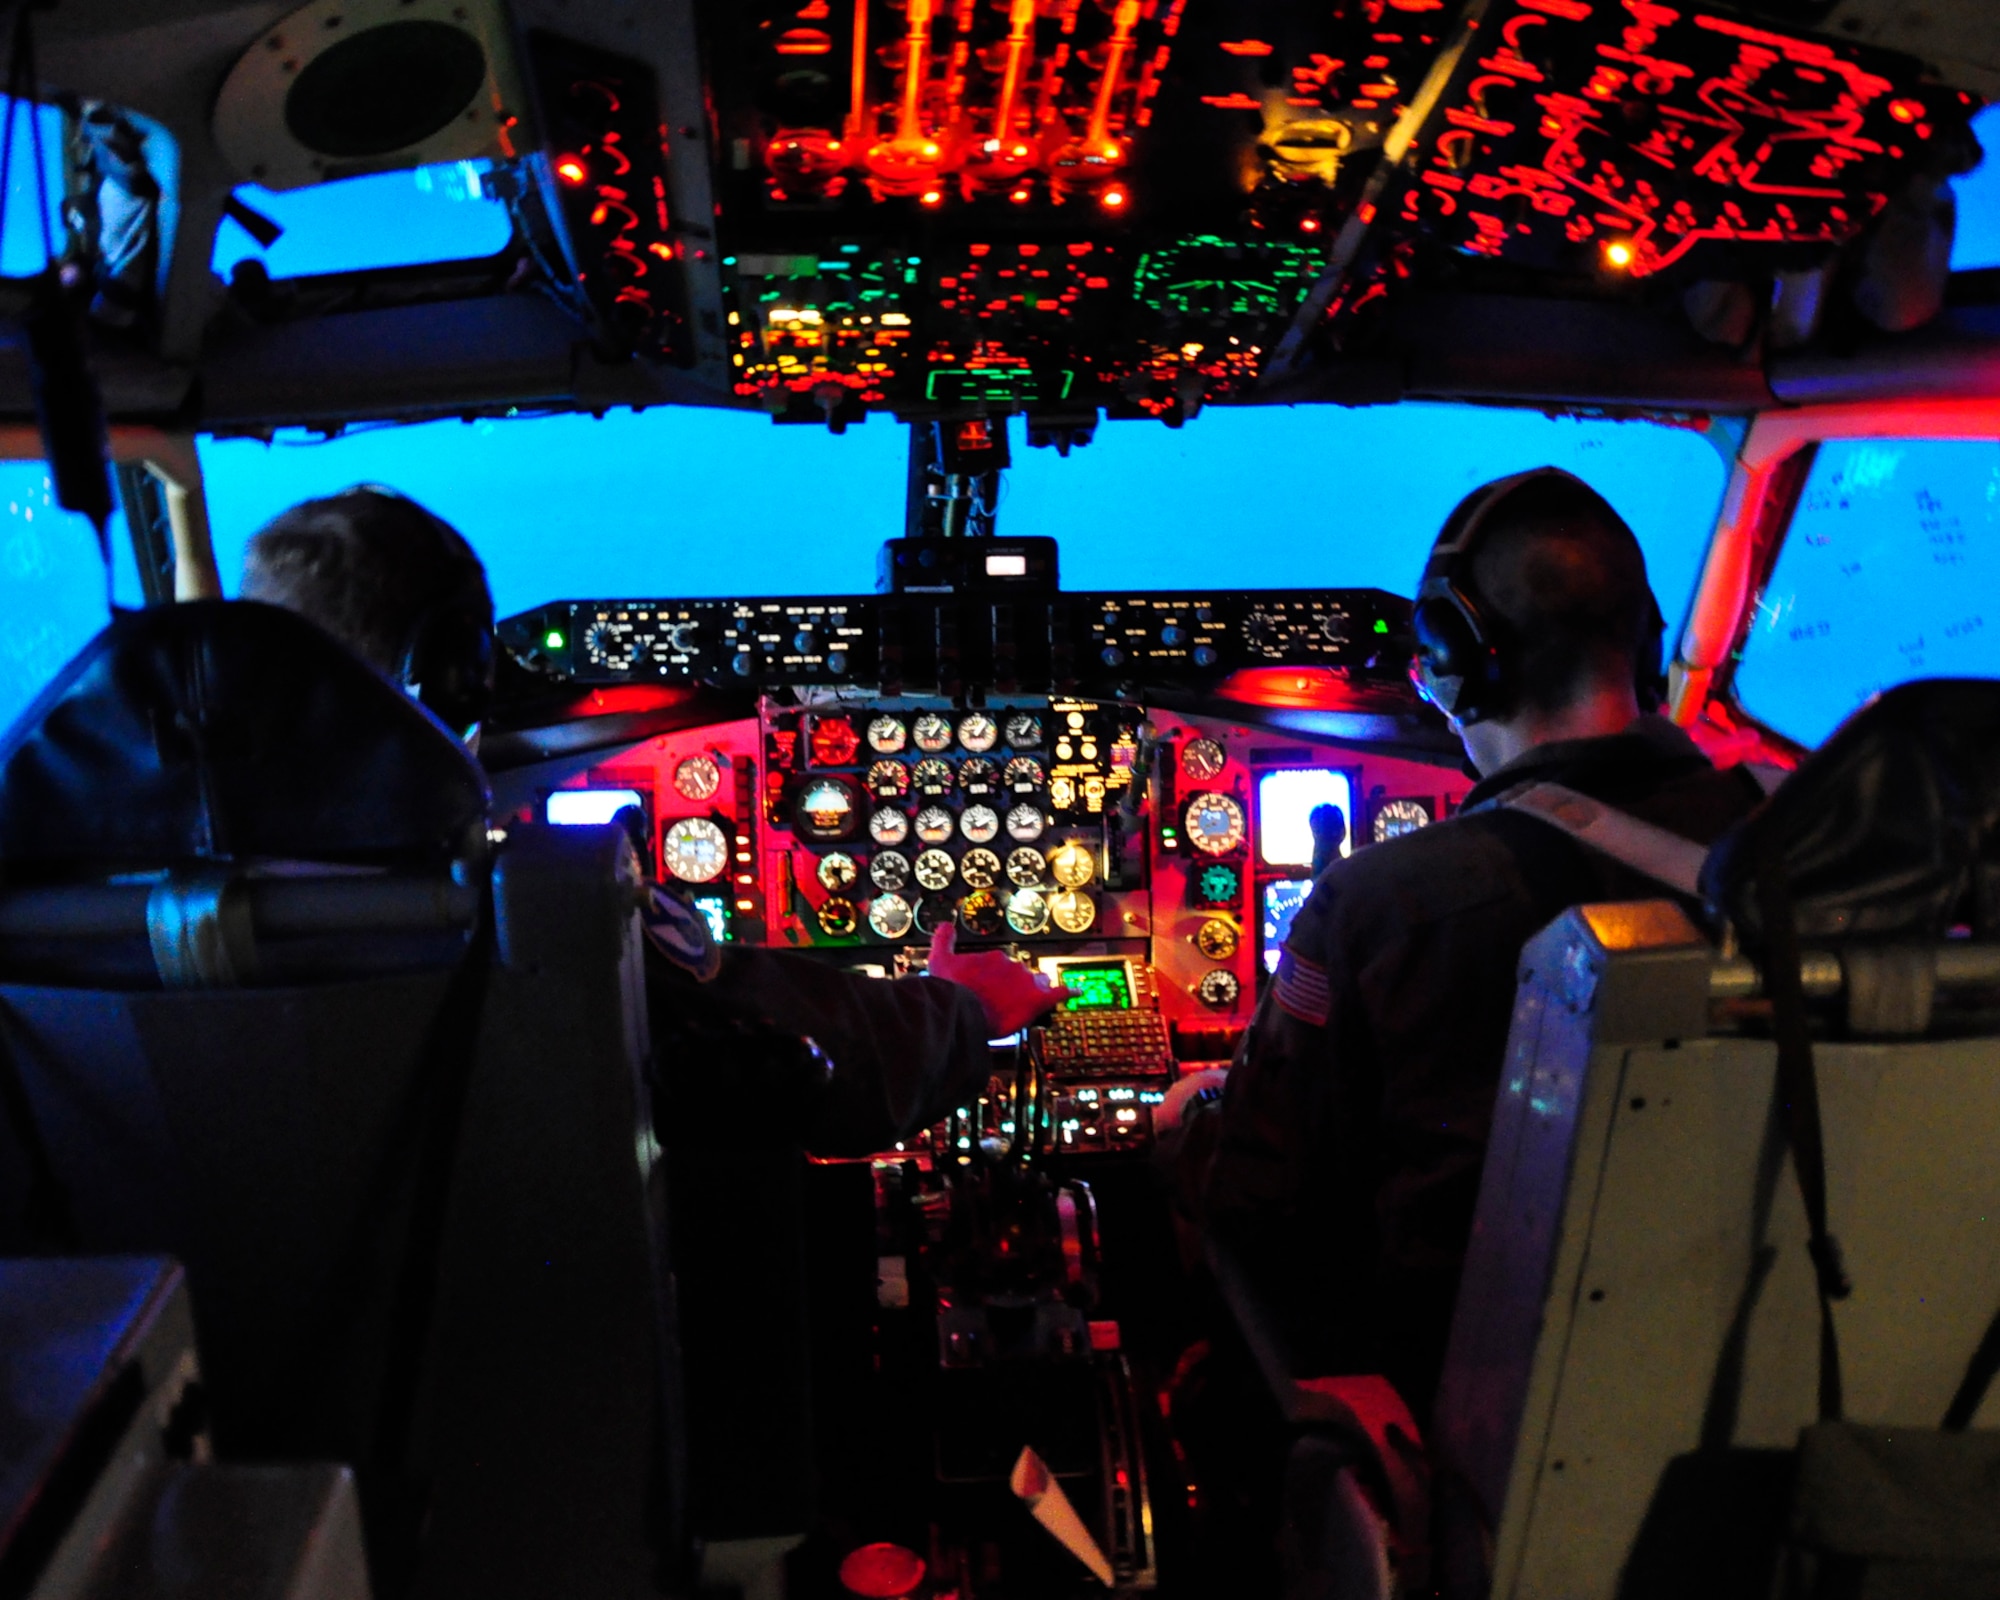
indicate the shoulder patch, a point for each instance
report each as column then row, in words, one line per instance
column 1302, row 990
column 680, row 933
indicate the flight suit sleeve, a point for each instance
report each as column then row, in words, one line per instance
column 1285, row 1192
column 904, row 1050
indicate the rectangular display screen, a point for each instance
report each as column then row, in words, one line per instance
column 1286, row 800
column 714, row 909
column 1096, row 985
column 1282, row 899
column 586, row 808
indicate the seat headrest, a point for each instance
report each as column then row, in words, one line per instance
column 1890, row 828
column 222, row 730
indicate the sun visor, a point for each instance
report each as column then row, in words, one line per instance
column 345, row 87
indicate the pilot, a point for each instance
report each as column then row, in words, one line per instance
column 403, row 589
column 1348, row 1141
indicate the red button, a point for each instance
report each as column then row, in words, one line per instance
column 881, row 1571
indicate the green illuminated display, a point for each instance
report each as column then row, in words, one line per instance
column 1097, row 986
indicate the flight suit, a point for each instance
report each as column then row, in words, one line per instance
column 903, row 1052
column 1347, row 1151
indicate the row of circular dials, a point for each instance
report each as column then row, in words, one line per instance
column 933, row 733
column 1069, row 866
column 984, row 913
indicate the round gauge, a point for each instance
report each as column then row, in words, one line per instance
column 977, row 775
column 1216, row 939
column 1062, row 793
column 887, row 735
column 838, row 917
column 933, row 913
column 695, row 850
column 1073, row 912
column 610, row 644
column 1218, row 884
column 1023, row 774
column 1025, row 824
column 934, row 825
column 934, row 869
column 697, row 778
column 933, row 777
column 890, row 916
column 888, row 827
column 1072, row 865
column 888, row 780
column 981, row 914
column 1024, row 732
column 1026, row 869
column 1218, row 988
column 1394, row 818
column 889, row 870
column 1215, row 824
column 1028, row 912
column 827, row 809
column 834, row 743
column 977, row 731
column 837, row 872
column 1203, row 759
column 931, row 733
column 979, row 868
column 979, row 824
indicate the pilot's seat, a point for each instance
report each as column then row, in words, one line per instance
column 1638, row 1340
column 272, row 1000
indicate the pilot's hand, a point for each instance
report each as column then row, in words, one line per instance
column 1012, row 995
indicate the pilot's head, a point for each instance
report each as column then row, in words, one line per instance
column 395, row 583
column 1534, row 620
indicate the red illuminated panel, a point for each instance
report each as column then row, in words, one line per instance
column 947, row 100
column 1624, row 136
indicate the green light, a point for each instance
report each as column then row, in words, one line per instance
column 1381, row 626
column 554, row 639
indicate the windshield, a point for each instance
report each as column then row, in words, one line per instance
column 692, row 503
column 1889, row 572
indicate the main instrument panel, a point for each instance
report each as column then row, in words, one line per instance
column 1155, row 858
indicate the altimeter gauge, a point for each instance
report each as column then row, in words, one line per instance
column 694, row 850
column 1215, row 824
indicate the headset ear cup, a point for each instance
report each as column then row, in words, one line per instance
column 449, row 666
column 1446, row 648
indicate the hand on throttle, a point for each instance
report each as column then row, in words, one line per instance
column 1013, row 995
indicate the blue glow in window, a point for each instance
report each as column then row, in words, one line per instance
column 387, row 219
column 1977, row 241
column 21, row 250
column 685, row 501
column 1890, row 571
column 51, row 583
column 1286, row 801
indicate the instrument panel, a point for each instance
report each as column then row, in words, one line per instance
column 1156, row 857
column 923, row 642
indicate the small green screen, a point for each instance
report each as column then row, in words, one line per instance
column 1097, row 986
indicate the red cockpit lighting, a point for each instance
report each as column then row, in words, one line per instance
column 572, row 171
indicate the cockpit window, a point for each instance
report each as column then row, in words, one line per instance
column 1890, row 571
column 693, row 503
column 22, row 246
column 51, row 583
column 412, row 218
column 1977, row 242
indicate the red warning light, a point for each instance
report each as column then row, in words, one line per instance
column 1906, row 110
column 1021, row 197
column 1112, row 199
column 571, row 170
column 931, row 197
column 1618, row 255
column 1308, row 224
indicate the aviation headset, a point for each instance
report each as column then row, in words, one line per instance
column 1461, row 664
column 447, row 660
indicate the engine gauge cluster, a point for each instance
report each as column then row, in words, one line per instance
column 895, row 820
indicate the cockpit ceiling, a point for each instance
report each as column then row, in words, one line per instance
column 824, row 208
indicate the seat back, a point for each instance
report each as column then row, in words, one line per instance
column 1637, row 1338
column 415, row 1194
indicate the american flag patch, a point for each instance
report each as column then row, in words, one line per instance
column 1302, row 990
